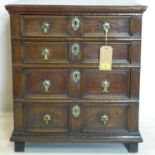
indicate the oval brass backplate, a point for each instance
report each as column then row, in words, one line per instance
column 76, row 111
column 75, row 49
column 76, row 75
column 75, row 23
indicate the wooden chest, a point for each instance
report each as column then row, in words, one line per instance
column 59, row 93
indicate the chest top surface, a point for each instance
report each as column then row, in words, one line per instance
column 76, row 6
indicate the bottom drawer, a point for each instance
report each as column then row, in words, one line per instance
column 105, row 118
column 45, row 118
column 84, row 117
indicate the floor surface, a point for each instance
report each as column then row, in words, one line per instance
column 7, row 147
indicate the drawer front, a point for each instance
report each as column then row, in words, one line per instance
column 45, row 52
column 101, row 84
column 119, row 26
column 41, row 26
column 45, row 118
column 66, row 26
column 73, row 52
column 121, row 52
column 46, row 83
column 104, row 118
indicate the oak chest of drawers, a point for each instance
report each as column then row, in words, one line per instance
column 59, row 92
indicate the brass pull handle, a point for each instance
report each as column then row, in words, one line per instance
column 45, row 27
column 47, row 118
column 76, row 75
column 75, row 23
column 45, row 53
column 104, row 119
column 75, row 49
column 76, row 111
column 106, row 27
column 105, row 84
column 46, row 85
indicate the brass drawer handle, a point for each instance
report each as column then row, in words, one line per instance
column 76, row 111
column 75, row 49
column 76, row 75
column 46, row 85
column 105, row 84
column 47, row 118
column 45, row 53
column 106, row 27
column 75, row 23
column 45, row 27
column 104, row 119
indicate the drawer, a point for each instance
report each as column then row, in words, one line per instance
column 104, row 118
column 73, row 52
column 50, row 26
column 119, row 26
column 45, row 118
column 113, row 84
column 66, row 26
column 121, row 52
column 45, row 83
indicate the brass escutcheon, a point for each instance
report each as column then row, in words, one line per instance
column 76, row 75
column 76, row 111
column 75, row 49
column 75, row 23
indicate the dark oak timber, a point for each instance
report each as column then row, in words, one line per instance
column 58, row 91
column 132, row 147
column 19, row 146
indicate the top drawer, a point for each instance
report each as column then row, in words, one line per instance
column 78, row 26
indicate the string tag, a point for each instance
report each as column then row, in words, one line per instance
column 105, row 62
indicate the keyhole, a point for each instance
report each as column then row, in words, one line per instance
column 75, row 48
column 75, row 23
